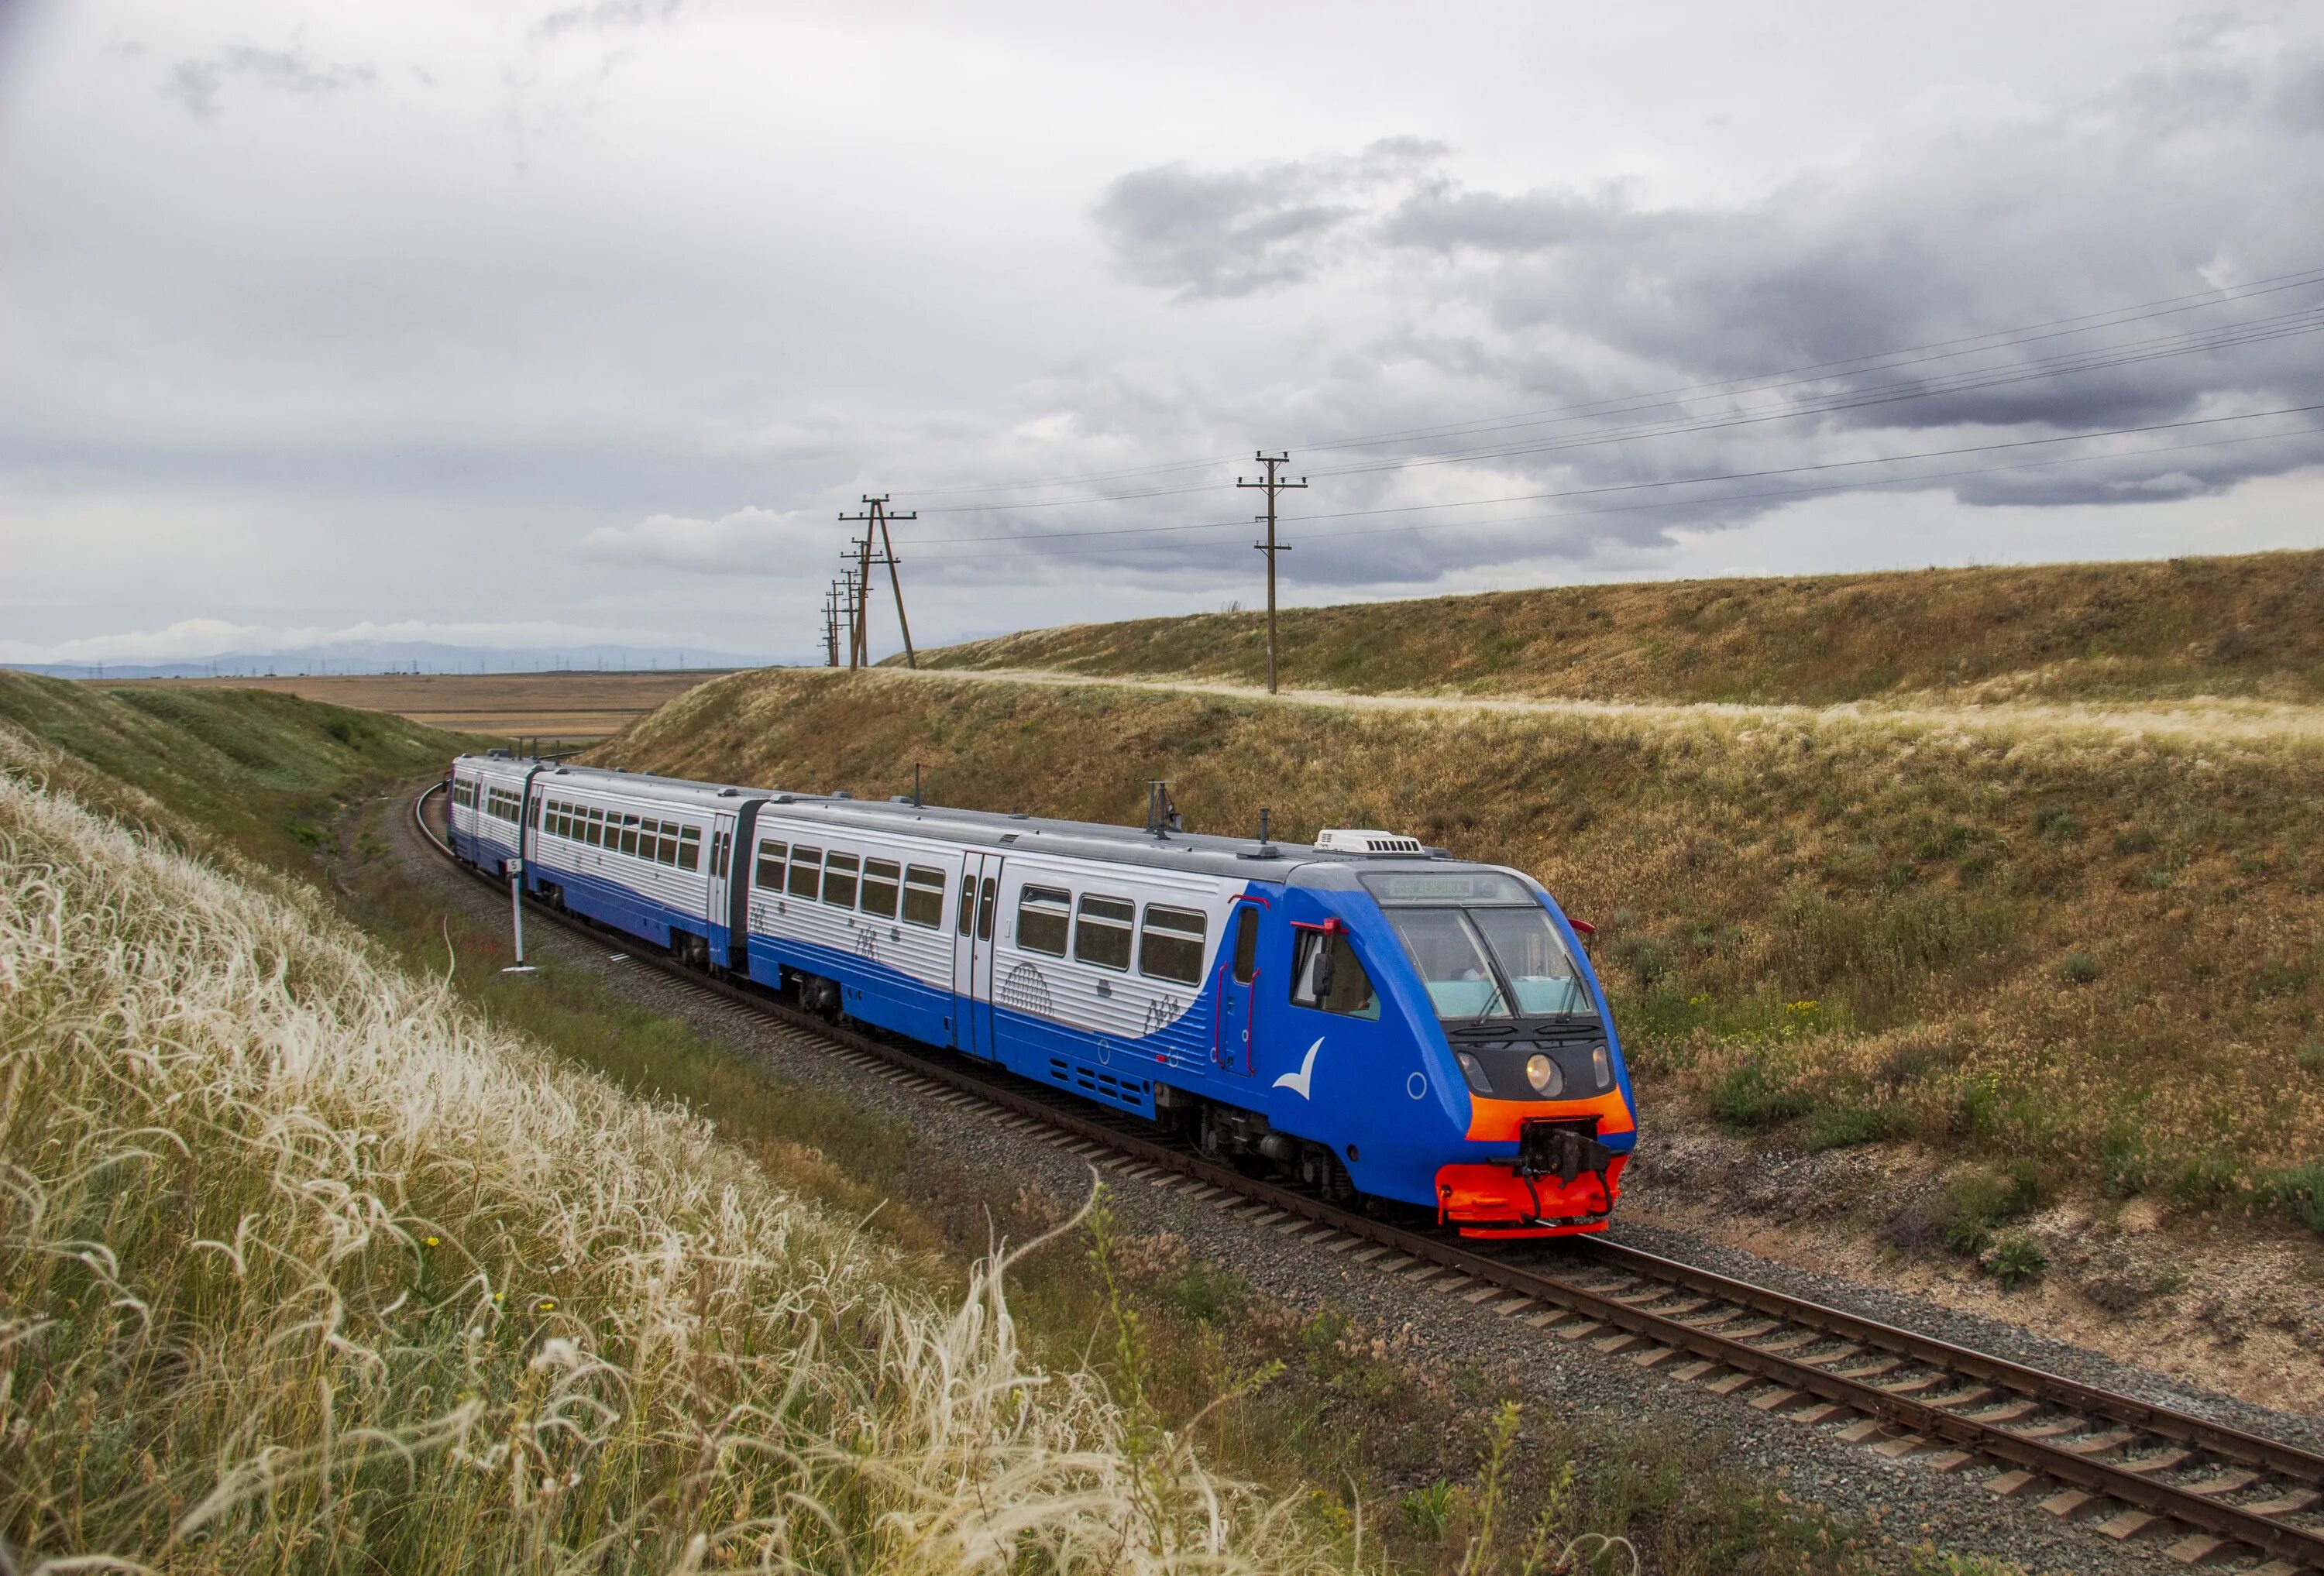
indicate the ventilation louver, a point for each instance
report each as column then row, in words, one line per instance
column 1356, row 839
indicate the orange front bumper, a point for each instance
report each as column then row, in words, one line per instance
column 1494, row 1201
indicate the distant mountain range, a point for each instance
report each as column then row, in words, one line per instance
column 404, row 657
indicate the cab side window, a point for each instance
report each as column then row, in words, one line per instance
column 1246, row 945
column 1327, row 975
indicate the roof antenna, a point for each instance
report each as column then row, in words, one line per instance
column 1266, row 849
column 915, row 785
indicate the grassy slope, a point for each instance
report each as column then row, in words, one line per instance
column 1348, row 1409
column 323, row 1262
column 261, row 770
column 2102, row 958
column 2235, row 626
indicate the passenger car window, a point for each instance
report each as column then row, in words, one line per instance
column 839, row 879
column 806, row 870
column 1246, row 945
column 1043, row 913
column 984, row 913
column 690, row 848
column 924, row 897
column 1102, row 935
column 596, row 828
column 880, row 879
column 1327, row 975
column 1170, row 947
column 771, row 866
column 967, row 903
column 666, row 850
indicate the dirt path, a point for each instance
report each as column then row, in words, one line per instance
column 2199, row 721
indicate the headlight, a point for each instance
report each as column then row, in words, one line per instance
column 1474, row 1072
column 1542, row 1074
column 1601, row 1062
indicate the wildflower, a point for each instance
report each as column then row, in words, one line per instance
column 547, row 1304
column 433, row 1241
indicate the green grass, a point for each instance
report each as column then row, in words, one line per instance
column 261, row 771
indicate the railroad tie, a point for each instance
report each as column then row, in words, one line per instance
column 2129, row 1523
column 2200, row 1549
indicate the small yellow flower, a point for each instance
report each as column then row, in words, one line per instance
column 548, row 1303
column 434, row 1242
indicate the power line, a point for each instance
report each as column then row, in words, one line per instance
column 1274, row 484
column 1932, row 350
column 2305, row 320
column 1684, row 481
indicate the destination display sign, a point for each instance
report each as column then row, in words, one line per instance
column 1472, row 886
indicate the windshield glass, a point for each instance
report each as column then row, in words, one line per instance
column 1533, row 961
column 1451, row 961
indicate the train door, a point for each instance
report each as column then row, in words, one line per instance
column 972, row 957
column 1235, row 981
column 718, row 906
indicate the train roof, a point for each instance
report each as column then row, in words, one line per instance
column 1239, row 857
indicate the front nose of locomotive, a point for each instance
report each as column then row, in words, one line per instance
column 1540, row 1167
column 1552, row 1123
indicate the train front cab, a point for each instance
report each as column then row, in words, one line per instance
column 1416, row 1009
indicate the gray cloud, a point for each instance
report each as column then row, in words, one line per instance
column 602, row 16
column 1237, row 232
column 198, row 84
column 1582, row 297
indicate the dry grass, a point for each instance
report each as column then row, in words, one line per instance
column 565, row 706
column 307, row 1266
column 2251, row 627
column 2101, row 958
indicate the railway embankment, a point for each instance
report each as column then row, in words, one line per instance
column 2024, row 1013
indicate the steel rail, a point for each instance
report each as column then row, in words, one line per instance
column 1926, row 1419
column 2250, row 1450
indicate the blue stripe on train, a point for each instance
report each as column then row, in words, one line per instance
column 608, row 902
column 1107, row 1068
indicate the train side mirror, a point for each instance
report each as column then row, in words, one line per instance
column 1585, row 930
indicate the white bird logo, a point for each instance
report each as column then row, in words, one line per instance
column 1297, row 1082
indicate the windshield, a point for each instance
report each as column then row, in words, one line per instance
column 1534, row 960
column 1452, row 962
column 1457, row 950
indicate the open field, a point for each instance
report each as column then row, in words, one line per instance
column 2250, row 628
column 569, row 707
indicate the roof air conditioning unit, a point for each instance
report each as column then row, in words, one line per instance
column 1355, row 840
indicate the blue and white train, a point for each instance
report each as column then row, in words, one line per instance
column 1365, row 1015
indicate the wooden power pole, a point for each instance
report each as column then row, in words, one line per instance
column 1274, row 484
column 876, row 516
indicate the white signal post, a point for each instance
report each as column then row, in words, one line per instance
column 516, row 915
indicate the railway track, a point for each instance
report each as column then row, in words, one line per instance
column 2130, row 1469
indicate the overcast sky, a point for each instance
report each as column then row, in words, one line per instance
column 502, row 323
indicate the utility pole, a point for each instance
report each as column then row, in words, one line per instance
column 1270, row 546
column 831, row 625
column 876, row 518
